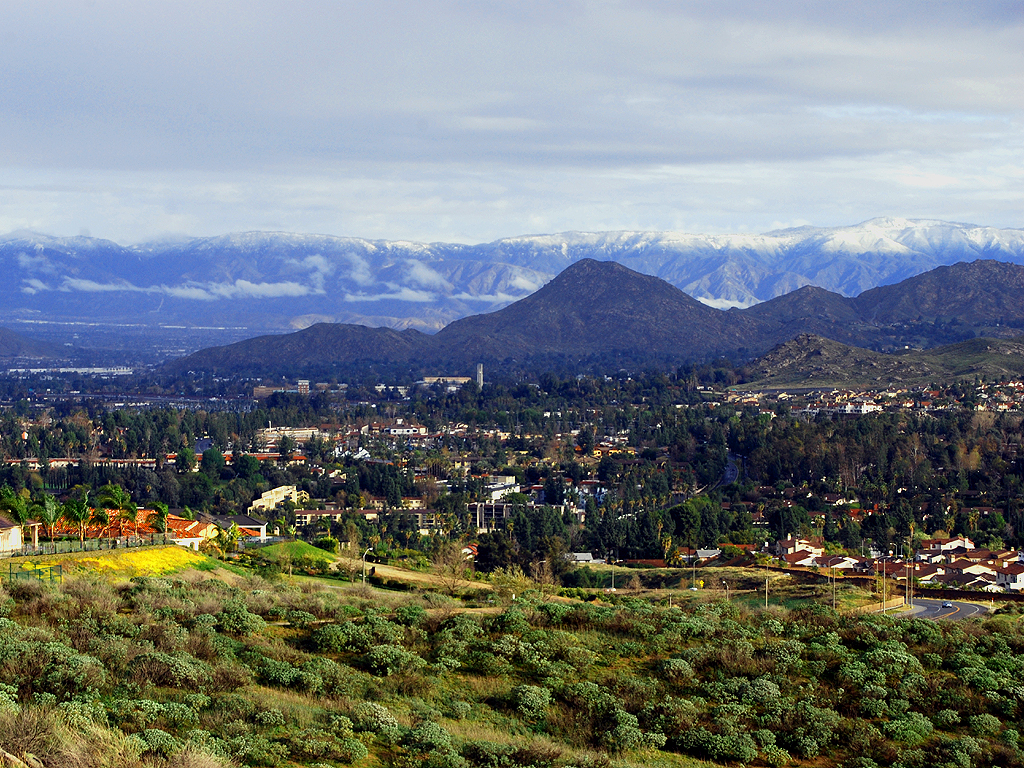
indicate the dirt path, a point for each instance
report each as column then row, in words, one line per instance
column 392, row 573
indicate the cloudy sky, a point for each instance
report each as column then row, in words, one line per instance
column 470, row 121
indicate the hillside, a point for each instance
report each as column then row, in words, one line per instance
column 16, row 345
column 193, row 670
column 810, row 360
column 595, row 308
column 982, row 289
column 317, row 348
column 603, row 315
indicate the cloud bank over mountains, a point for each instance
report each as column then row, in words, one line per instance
column 280, row 281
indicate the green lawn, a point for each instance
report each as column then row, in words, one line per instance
column 295, row 550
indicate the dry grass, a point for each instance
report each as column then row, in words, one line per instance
column 43, row 734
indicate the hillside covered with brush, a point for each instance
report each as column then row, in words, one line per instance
column 194, row 669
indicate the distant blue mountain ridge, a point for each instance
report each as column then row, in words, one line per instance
column 274, row 282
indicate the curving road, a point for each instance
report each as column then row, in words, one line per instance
column 928, row 608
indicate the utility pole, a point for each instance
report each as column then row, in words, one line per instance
column 766, row 573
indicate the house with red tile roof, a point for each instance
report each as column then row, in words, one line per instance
column 1011, row 577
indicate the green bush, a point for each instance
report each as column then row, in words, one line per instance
column 387, row 660
column 270, row 718
column 530, row 701
column 160, row 742
column 912, row 728
column 328, row 544
column 377, row 719
column 410, row 615
column 984, row 725
column 775, row 756
column 300, row 619
column 946, row 719
column 236, row 619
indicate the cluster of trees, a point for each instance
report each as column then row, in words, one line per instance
column 111, row 508
column 919, row 474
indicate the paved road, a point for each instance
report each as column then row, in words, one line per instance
column 732, row 470
column 927, row 608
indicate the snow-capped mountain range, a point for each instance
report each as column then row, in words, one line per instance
column 269, row 281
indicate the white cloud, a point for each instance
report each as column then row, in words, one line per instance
column 490, row 298
column 32, row 263
column 401, row 294
column 424, row 276
column 34, row 286
column 473, row 121
column 360, row 271
column 526, row 282
column 240, row 289
column 91, row 286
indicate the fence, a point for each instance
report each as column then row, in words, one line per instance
column 53, row 572
column 66, row 546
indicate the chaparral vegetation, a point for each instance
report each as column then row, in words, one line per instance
column 211, row 668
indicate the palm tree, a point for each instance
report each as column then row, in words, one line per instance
column 16, row 506
column 47, row 511
column 101, row 517
column 116, row 498
column 226, row 539
column 158, row 517
column 76, row 511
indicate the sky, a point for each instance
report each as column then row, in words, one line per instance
column 471, row 121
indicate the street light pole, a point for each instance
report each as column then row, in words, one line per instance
column 767, row 556
column 883, row 581
column 726, row 589
column 833, row 586
column 364, row 563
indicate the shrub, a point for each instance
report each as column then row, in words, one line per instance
column 338, row 638
column 178, row 670
column 278, row 673
column 300, row 619
column 946, row 719
column 327, row 543
column 377, row 719
column 431, row 745
column 624, row 734
column 984, row 725
column 196, row 701
column 256, row 749
column 912, row 728
column 775, row 756
column 388, row 660
column 530, row 701
column 160, row 742
column 235, row 619
column 410, row 615
column 350, row 750
column 720, row 747
column 270, row 718
column 677, row 670
column 9, row 699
